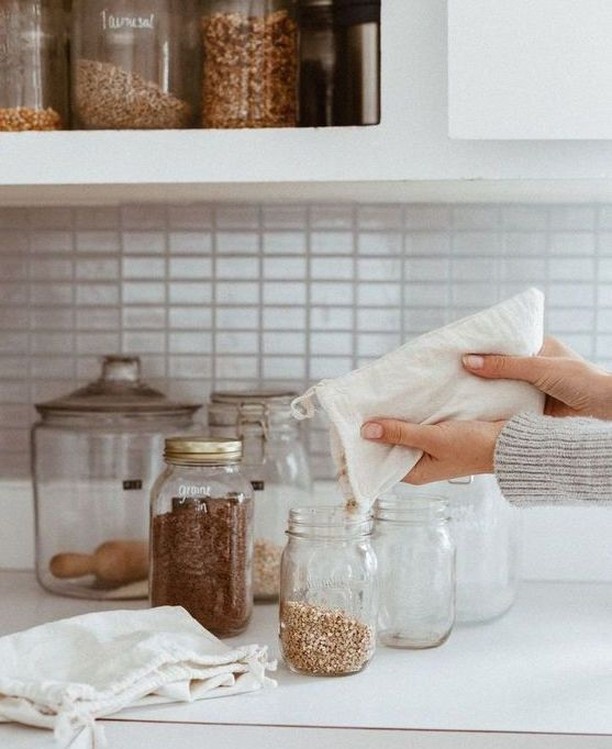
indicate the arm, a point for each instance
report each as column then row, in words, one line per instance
column 544, row 460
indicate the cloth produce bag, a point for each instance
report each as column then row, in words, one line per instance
column 424, row 382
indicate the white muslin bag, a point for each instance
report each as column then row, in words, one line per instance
column 424, row 382
column 65, row 674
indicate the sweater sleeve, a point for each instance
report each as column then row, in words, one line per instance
column 547, row 460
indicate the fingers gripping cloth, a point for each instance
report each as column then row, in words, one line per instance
column 424, row 382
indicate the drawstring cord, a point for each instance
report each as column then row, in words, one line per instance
column 304, row 407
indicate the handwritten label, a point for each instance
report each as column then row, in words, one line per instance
column 112, row 22
column 132, row 484
column 258, row 486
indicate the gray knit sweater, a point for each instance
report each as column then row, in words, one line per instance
column 545, row 460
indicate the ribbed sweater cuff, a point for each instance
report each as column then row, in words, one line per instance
column 544, row 459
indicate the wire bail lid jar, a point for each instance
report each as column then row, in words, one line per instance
column 95, row 454
column 275, row 462
column 328, row 592
column 201, row 533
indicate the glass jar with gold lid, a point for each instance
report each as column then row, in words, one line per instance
column 201, row 533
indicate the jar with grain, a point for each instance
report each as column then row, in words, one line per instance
column 250, row 63
column 134, row 64
column 201, row 534
column 416, row 567
column 275, row 462
column 328, row 592
column 33, row 65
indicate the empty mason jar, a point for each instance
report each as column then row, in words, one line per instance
column 328, row 592
column 134, row 64
column 33, row 65
column 416, row 568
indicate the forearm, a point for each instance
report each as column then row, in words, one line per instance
column 545, row 460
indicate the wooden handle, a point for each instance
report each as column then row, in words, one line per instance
column 113, row 562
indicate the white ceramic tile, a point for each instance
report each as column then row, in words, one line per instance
column 570, row 295
column 604, row 270
column 190, row 292
column 284, row 242
column 476, row 216
column 572, row 217
column 16, row 318
column 244, row 318
column 100, row 269
column 141, row 268
column 526, row 217
column 332, row 243
column 604, row 321
column 572, row 243
column 285, row 217
column 199, row 342
column 189, row 317
column 189, row 367
column 290, row 268
column 277, row 367
column 572, row 269
column 379, row 269
column 475, row 243
column 427, row 295
column 332, row 216
column 326, row 344
column 522, row 244
column 604, row 295
column 189, row 243
column 147, row 318
column 381, row 319
column 571, row 320
column 51, row 343
column 143, row 292
column 322, row 367
column 380, row 217
column 426, row 269
column 49, row 318
column 378, row 344
column 236, row 367
column 244, row 268
column 99, row 318
column 99, row 242
column 284, row 293
column 331, row 293
column 57, row 293
column 284, row 343
column 237, row 342
column 140, row 342
column 331, row 318
column 427, row 217
column 474, row 269
column 380, row 243
column 190, row 268
column 428, row 243
column 474, row 295
column 285, row 318
column 95, row 294
column 143, row 243
column 237, row 216
column 237, row 243
column 14, row 268
column 194, row 216
column 529, row 270
column 45, row 242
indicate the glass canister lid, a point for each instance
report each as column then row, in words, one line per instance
column 118, row 390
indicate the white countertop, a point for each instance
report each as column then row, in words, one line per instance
column 544, row 668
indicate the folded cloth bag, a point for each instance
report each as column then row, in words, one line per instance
column 424, row 382
column 65, row 674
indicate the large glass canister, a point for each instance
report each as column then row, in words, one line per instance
column 416, row 569
column 329, row 595
column 95, row 455
column 33, row 65
column 486, row 530
column 250, row 63
column 134, row 64
column 201, row 533
column 276, row 463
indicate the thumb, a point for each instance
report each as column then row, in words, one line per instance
column 396, row 432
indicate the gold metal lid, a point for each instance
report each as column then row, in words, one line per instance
column 191, row 449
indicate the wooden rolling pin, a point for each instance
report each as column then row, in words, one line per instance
column 113, row 563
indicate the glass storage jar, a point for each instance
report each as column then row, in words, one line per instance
column 357, row 84
column 486, row 531
column 134, row 64
column 328, row 598
column 250, row 63
column 33, row 65
column 95, row 455
column 201, row 534
column 276, row 463
column 416, row 570
column 317, row 62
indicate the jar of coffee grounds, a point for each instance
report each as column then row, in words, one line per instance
column 202, row 535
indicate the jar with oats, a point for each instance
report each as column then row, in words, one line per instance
column 329, row 593
column 33, row 65
column 250, row 63
column 275, row 462
column 134, row 64
column 201, row 534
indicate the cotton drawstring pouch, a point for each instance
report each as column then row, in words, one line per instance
column 424, row 382
column 65, row 674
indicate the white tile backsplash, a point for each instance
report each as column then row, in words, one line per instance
column 238, row 295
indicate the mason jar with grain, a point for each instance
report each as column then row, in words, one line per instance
column 250, row 63
column 328, row 592
column 134, row 64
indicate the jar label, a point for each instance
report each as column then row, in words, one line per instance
column 132, row 484
column 113, row 22
column 258, row 486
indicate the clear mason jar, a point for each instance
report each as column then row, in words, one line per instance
column 416, row 569
column 276, row 463
column 134, row 64
column 250, row 63
column 33, row 65
column 201, row 534
column 486, row 530
column 95, row 455
column 328, row 592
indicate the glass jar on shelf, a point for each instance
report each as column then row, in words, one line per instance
column 33, row 65
column 328, row 601
column 134, row 64
column 276, row 463
column 416, row 568
column 201, row 534
column 95, row 455
column 317, row 62
column 250, row 63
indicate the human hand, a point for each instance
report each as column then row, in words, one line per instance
column 573, row 386
column 450, row 448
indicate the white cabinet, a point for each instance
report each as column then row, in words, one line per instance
column 408, row 157
column 530, row 69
